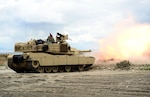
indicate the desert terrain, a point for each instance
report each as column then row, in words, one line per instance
column 3, row 59
column 99, row 81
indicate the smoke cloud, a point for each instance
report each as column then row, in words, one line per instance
column 128, row 41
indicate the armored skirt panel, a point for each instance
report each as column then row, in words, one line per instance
column 52, row 60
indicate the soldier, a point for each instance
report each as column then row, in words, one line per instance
column 50, row 38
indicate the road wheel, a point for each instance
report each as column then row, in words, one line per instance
column 80, row 67
column 48, row 69
column 55, row 69
column 40, row 69
column 35, row 64
column 61, row 68
column 68, row 68
column 74, row 68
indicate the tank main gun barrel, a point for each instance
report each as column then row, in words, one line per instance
column 84, row 51
column 80, row 51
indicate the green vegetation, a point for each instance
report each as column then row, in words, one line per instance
column 123, row 65
column 145, row 67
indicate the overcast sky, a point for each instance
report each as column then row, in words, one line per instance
column 86, row 21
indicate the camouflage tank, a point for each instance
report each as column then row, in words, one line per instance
column 49, row 56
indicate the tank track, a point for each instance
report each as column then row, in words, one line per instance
column 49, row 69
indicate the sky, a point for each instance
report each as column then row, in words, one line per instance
column 85, row 21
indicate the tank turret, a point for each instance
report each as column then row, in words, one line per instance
column 49, row 55
column 60, row 46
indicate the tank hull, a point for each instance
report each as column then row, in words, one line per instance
column 44, row 62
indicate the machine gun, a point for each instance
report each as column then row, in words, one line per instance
column 61, row 38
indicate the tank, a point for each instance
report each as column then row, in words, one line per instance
column 50, row 55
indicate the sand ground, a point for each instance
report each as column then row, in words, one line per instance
column 91, row 83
